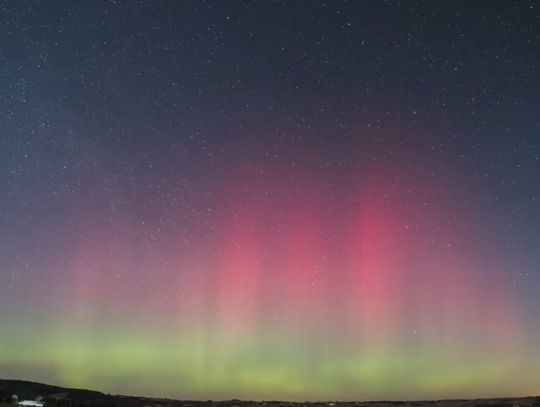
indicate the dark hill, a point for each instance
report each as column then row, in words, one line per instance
column 30, row 391
column 56, row 396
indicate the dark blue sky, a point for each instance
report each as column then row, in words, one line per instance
column 131, row 121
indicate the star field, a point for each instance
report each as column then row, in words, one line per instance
column 300, row 200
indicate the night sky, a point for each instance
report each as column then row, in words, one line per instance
column 297, row 200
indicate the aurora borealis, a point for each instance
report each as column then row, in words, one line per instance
column 271, row 200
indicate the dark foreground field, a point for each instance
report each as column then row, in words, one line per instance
column 65, row 397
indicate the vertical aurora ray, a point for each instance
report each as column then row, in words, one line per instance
column 294, row 200
column 287, row 292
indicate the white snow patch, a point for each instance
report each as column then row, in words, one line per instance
column 31, row 403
